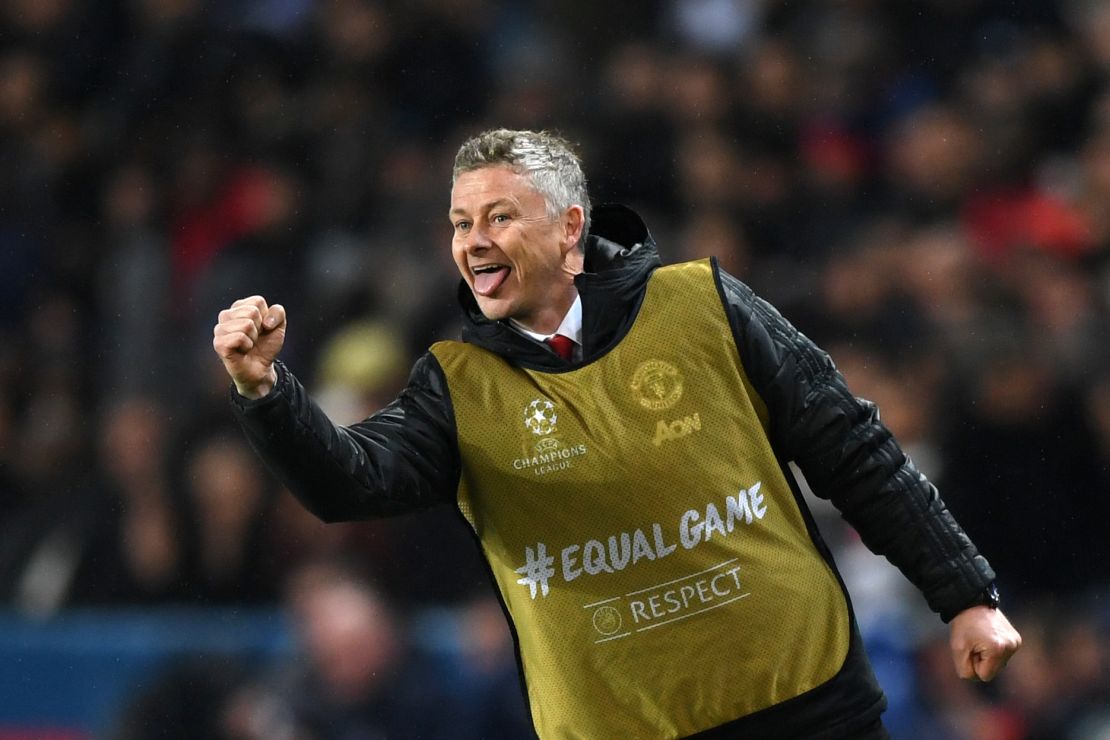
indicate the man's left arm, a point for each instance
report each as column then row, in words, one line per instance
column 851, row 458
column 982, row 640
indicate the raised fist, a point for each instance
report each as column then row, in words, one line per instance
column 248, row 337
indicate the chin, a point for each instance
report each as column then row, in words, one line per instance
column 493, row 309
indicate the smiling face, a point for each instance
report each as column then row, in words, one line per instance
column 519, row 263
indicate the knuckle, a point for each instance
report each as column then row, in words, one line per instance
column 254, row 300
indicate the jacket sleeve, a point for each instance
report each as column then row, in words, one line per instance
column 849, row 457
column 400, row 459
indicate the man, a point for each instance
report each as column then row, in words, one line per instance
column 616, row 434
column 355, row 676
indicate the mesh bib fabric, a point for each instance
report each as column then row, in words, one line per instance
column 651, row 555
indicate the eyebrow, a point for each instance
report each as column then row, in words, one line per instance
column 488, row 206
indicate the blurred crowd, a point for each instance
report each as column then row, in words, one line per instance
column 921, row 186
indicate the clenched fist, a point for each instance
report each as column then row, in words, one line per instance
column 982, row 640
column 248, row 338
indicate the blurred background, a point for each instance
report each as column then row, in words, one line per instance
column 922, row 186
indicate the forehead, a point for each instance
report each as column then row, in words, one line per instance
column 476, row 189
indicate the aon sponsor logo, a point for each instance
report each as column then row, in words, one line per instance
column 668, row 430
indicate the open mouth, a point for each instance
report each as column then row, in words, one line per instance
column 488, row 278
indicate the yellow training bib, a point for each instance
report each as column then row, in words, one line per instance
column 652, row 557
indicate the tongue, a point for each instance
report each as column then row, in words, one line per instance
column 486, row 283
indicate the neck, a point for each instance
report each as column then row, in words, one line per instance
column 548, row 319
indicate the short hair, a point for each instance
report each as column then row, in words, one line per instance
column 548, row 160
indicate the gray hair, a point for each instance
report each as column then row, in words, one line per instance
column 548, row 160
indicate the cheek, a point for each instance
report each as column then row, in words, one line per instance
column 458, row 254
column 531, row 255
column 542, row 260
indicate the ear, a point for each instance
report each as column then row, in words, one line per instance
column 574, row 218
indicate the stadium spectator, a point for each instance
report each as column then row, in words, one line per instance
column 357, row 677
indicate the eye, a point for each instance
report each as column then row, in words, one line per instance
column 461, row 227
column 500, row 218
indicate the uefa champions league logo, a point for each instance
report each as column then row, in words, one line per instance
column 540, row 417
column 549, row 454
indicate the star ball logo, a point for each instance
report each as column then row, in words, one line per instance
column 540, row 417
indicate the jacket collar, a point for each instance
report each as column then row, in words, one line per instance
column 620, row 256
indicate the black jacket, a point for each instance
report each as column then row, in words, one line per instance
column 405, row 457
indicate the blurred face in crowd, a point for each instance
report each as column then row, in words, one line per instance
column 225, row 482
column 349, row 637
column 131, row 440
column 519, row 262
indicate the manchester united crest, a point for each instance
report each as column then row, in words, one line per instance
column 657, row 384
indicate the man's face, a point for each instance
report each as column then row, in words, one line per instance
column 518, row 262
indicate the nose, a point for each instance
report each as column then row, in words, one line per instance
column 477, row 239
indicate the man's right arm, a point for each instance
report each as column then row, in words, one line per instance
column 404, row 457
column 400, row 459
